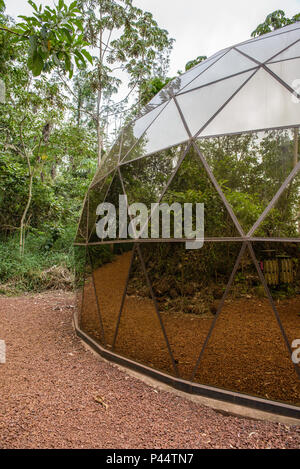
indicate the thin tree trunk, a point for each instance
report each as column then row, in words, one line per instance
column 99, row 140
column 22, row 224
column 53, row 170
column 296, row 143
column 79, row 104
column 99, row 97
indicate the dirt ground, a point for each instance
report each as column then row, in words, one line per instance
column 56, row 394
column 246, row 352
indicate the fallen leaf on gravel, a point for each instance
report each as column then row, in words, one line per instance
column 101, row 401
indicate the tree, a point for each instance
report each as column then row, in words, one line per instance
column 149, row 88
column 54, row 37
column 273, row 21
column 126, row 40
column 37, row 146
column 194, row 62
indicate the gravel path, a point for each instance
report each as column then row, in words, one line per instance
column 56, row 394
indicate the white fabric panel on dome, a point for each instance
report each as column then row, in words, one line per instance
column 194, row 72
column 288, row 71
column 290, row 53
column 167, row 130
column 266, row 48
column 200, row 105
column 181, row 81
column 232, row 62
column 141, row 124
column 263, row 103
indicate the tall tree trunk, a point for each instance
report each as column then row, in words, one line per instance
column 53, row 170
column 99, row 96
column 79, row 104
column 296, row 144
column 99, row 140
column 22, row 224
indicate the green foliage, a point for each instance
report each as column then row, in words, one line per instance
column 149, row 88
column 54, row 38
column 128, row 39
column 49, row 143
column 41, row 267
column 273, row 21
column 194, row 62
column 100, row 255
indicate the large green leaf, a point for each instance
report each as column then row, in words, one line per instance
column 37, row 64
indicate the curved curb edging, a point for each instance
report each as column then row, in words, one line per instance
column 221, row 400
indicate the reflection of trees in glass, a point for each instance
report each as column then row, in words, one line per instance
column 191, row 184
column 127, row 141
column 166, row 93
column 99, row 256
column 111, row 195
column 79, row 263
column 182, row 280
column 130, row 142
column 145, row 179
column 82, row 226
column 109, row 162
column 97, row 196
column 251, row 169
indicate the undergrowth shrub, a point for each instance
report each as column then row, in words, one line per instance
column 48, row 262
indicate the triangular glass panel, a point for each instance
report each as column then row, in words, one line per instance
column 192, row 185
column 288, row 70
column 82, row 230
column 90, row 318
column 246, row 352
column 263, row 103
column 145, row 178
column 250, row 168
column 291, row 53
column 167, row 130
column 280, row 263
column 144, row 182
column 109, row 224
column 110, row 265
column 140, row 334
column 200, row 105
column 265, row 48
column 133, row 132
column 179, row 83
column 230, row 64
column 283, row 219
column 188, row 286
column 97, row 194
column 79, row 277
column 109, row 162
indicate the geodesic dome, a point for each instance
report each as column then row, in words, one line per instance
column 222, row 320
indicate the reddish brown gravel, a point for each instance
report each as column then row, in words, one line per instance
column 50, row 381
